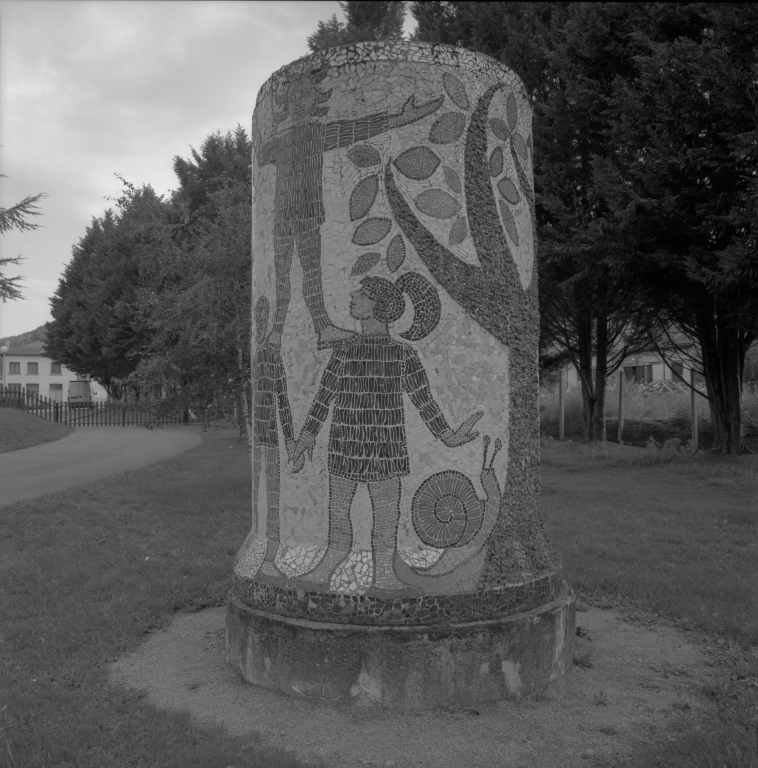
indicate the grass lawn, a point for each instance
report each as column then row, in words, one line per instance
column 675, row 535
column 86, row 574
column 22, row 430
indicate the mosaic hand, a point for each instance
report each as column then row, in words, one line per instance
column 304, row 445
column 453, row 438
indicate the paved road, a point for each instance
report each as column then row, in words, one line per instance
column 85, row 456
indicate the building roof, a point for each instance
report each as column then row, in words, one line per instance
column 32, row 348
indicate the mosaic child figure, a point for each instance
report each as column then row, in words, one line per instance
column 269, row 396
column 298, row 153
column 366, row 378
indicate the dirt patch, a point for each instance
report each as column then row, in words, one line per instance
column 633, row 683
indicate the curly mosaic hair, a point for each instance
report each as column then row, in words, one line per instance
column 390, row 305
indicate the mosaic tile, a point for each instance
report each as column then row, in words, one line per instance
column 395, row 456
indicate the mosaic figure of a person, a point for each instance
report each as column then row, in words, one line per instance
column 298, row 154
column 364, row 380
column 269, row 399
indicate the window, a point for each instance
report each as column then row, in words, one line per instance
column 56, row 392
column 641, row 374
column 55, row 368
column 32, row 368
column 14, row 368
column 32, row 389
column 677, row 368
column 13, row 387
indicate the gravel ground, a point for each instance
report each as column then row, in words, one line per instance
column 643, row 679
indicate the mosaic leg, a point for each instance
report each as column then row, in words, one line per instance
column 309, row 252
column 272, row 521
column 257, row 449
column 340, row 535
column 385, row 502
column 283, row 248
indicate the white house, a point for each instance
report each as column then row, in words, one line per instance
column 27, row 368
column 641, row 368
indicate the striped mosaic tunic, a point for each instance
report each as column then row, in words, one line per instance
column 366, row 378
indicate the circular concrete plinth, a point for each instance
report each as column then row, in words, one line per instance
column 404, row 667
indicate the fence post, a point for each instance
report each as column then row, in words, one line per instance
column 561, row 408
column 621, row 406
column 123, row 416
column 693, row 411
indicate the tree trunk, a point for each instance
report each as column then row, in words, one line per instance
column 584, row 368
column 723, row 360
column 601, row 367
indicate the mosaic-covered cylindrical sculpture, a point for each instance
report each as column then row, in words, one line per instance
column 395, row 381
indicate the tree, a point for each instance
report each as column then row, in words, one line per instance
column 681, row 184
column 197, row 309
column 568, row 55
column 196, row 283
column 17, row 217
column 95, row 329
column 364, row 21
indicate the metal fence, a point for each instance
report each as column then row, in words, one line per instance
column 110, row 414
column 640, row 414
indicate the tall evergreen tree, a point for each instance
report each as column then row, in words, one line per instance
column 364, row 21
column 681, row 183
column 18, row 217
column 95, row 329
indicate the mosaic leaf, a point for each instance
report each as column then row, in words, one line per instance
column 520, row 146
column 455, row 90
column 395, row 253
column 508, row 191
column 509, row 222
column 365, row 262
column 364, row 155
column 417, row 163
column 499, row 128
column 372, row 231
column 453, row 180
column 496, row 162
column 437, row 203
column 511, row 110
column 458, row 231
column 363, row 197
column 448, row 128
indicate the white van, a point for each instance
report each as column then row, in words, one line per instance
column 80, row 394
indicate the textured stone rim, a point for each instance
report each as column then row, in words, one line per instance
column 401, row 50
column 482, row 605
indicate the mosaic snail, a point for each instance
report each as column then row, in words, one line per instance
column 447, row 514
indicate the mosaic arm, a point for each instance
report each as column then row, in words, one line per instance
column 343, row 133
column 285, row 414
column 318, row 411
column 416, row 384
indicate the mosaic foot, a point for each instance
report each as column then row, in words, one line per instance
column 333, row 335
column 385, row 581
column 269, row 564
column 320, row 577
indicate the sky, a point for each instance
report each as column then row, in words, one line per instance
column 93, row 88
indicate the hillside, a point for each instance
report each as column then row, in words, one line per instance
column 23, row 338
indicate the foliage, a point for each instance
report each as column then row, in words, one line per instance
column 645, row 150
column 17, row 217
column 681, row 186
column 381, row 20
column 196, row 285
column 95, row 329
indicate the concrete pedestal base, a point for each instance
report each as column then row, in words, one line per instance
column 417, row 667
